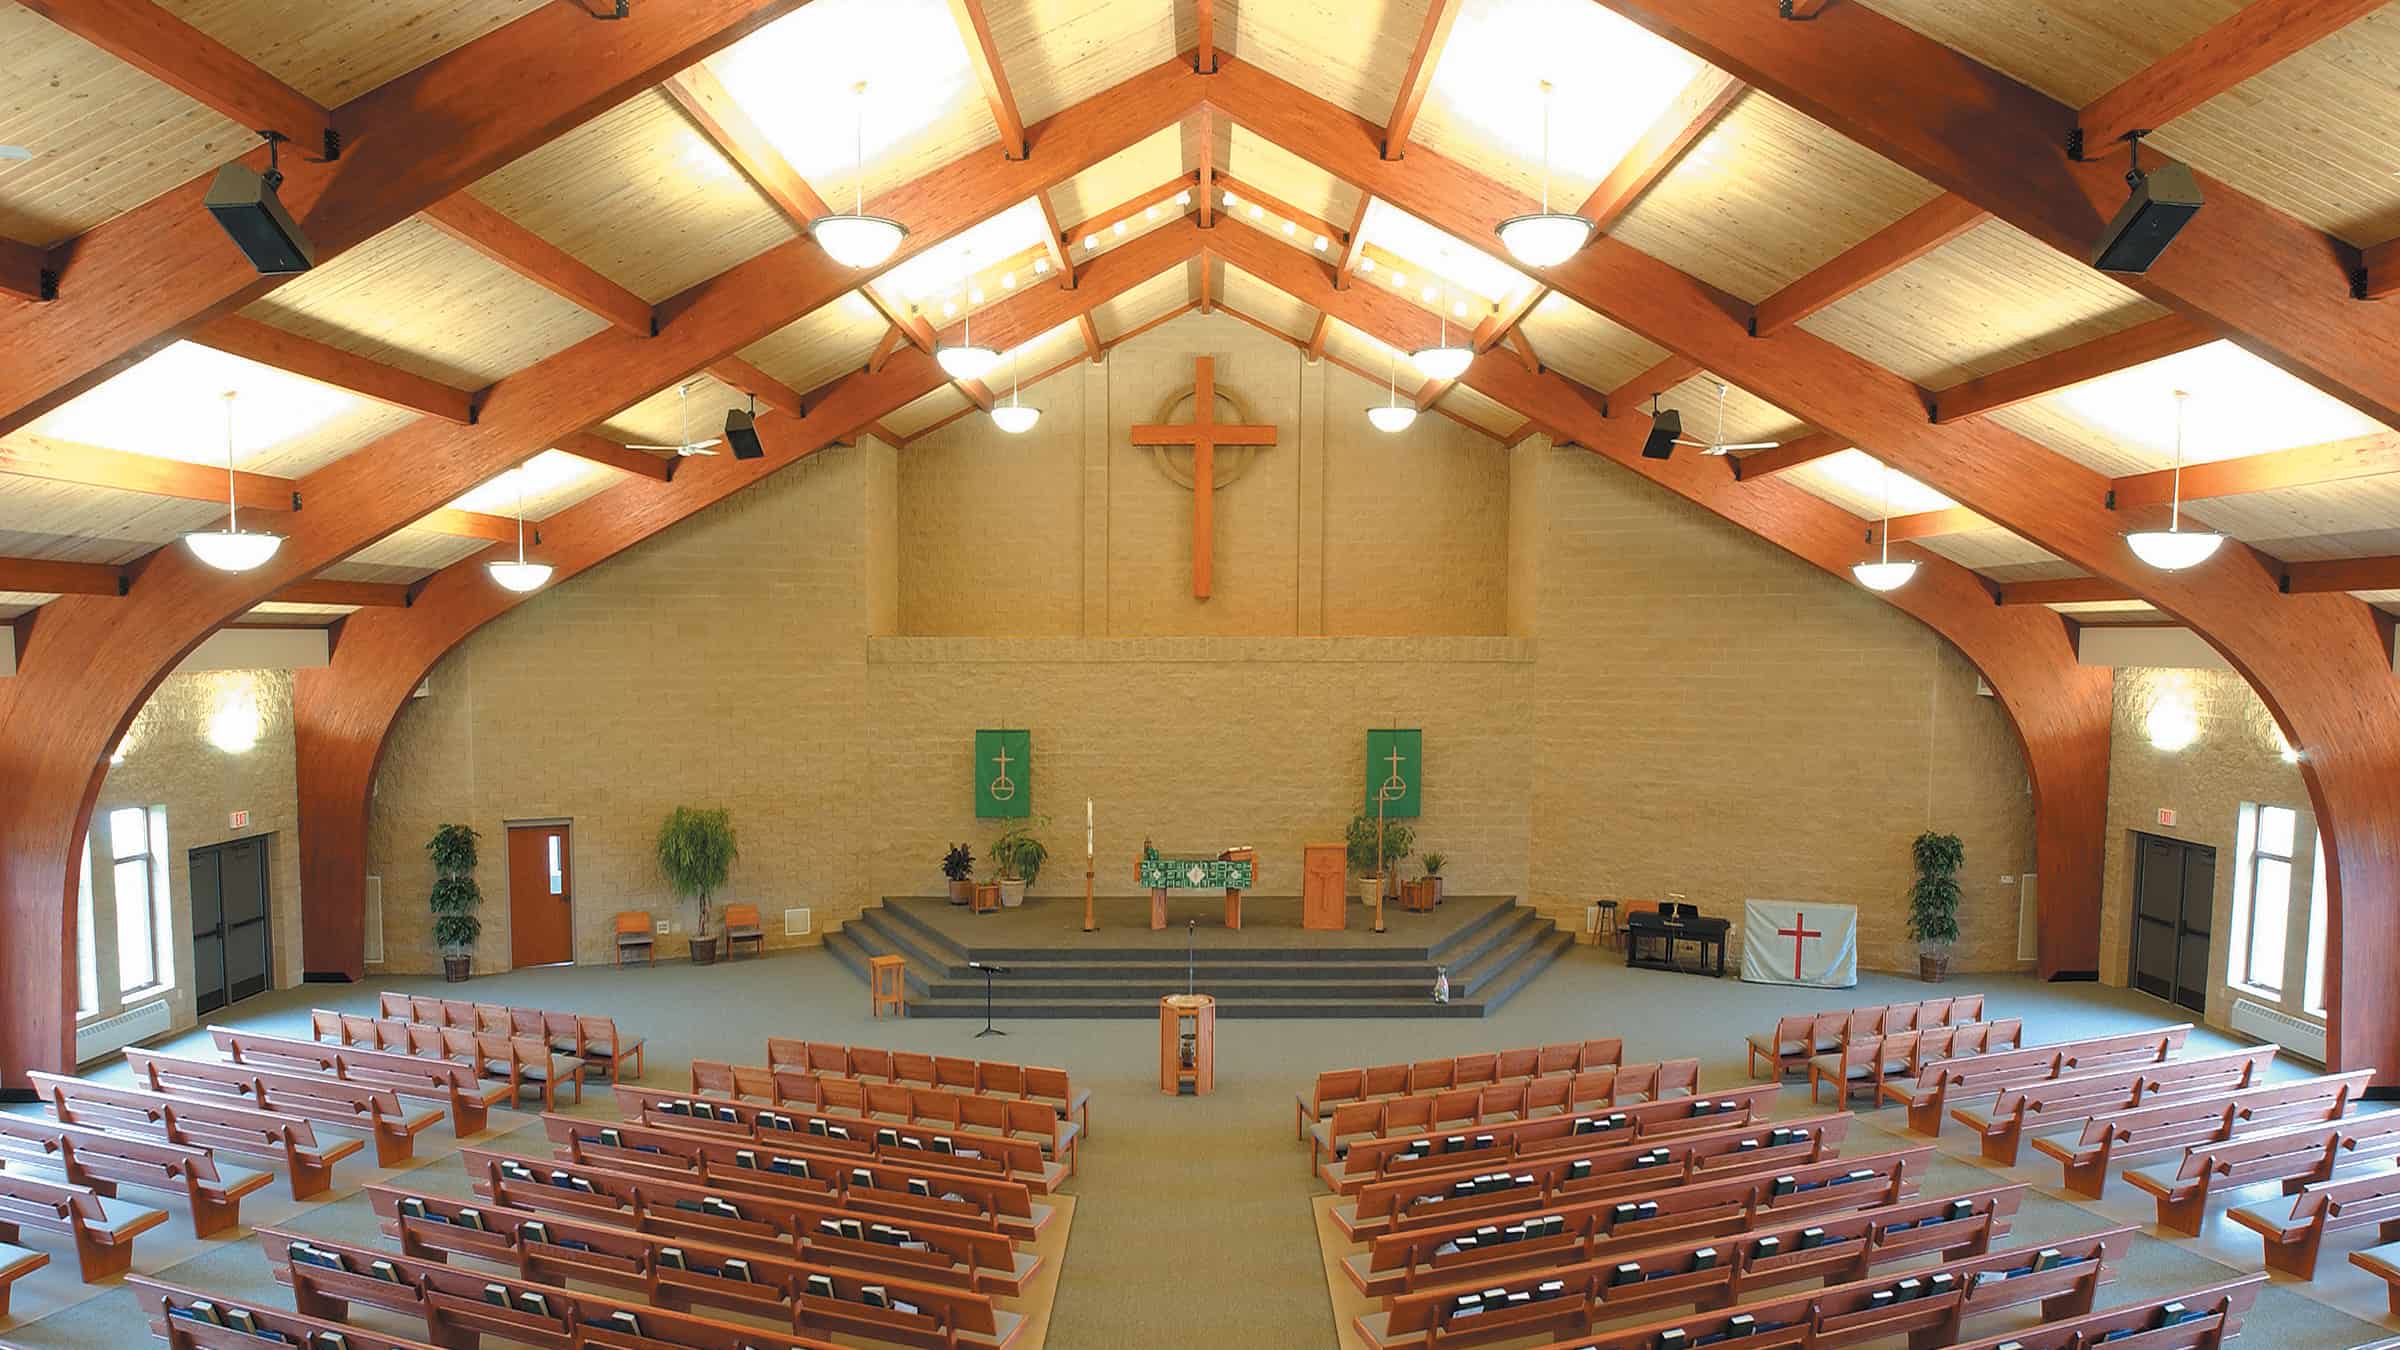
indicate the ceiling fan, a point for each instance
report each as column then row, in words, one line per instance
column 688, row 446
column 1721, row 446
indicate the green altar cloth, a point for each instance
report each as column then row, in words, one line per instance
column 1197, row 874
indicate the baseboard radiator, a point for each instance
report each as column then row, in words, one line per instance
column 111, row 1034
column 2295, row 1034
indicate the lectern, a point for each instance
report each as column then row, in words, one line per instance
column 1325, row 886
column 1187, row 1055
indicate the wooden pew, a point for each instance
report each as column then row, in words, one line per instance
column 556, row 1248
column 1939, row 1086
column 100, row 1161
column 187, row 1319
column 1381, row 1158
column 1018, row 1160
column 2205, row 1319
column 2296, row 1155
column 2085, row 1156
column 2059, row 1103
column 1928, row 1304
column 987, row 1077
column 199, row 1122
column 103, row 1229
column 767, row 1167
column 1396, row 1263
column 1865, row 1063
column 1417, row 1202
column 373, row 1111
column 592, row 1039
column 1801, row 1037
column 467, row 1096
column 2294, row 1236
column 15, row 1264
column 660, row 1204
column 951, row 1109
column 1337, row 1086
column 458, row 1306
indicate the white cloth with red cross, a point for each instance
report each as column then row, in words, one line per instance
column 1800, row 942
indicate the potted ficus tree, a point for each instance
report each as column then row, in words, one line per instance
column 1933, row 902
column 1433, row 872
column 958, row 867
column 454, row 899
column 1019, row 856
column 696, row 851
column 1397, row 838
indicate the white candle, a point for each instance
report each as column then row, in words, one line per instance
column 1087, row 827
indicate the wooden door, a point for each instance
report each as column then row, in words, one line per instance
column 1324, row 887
column 2174, row 893
column 541, row 896
column 232, row 947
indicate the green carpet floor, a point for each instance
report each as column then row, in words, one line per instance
column 1193, row 1225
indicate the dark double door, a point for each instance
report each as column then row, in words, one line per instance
column 232, row 946
column 2174, row 898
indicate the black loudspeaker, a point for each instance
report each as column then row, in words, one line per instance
column 2164, row 200
column 741, row 432
column 1664, row 428
column 243, row 200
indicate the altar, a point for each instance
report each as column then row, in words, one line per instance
column 1234, row 871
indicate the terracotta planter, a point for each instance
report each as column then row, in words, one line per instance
column 1012, row 893
column 455, row 969
column 962, row 890
column 704, row 951
column 1933, row 969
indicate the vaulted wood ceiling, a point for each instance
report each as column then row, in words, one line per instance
column 618, row 212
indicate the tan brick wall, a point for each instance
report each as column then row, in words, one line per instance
column 171, row 762
column 1621, row 694
column 2237, row 758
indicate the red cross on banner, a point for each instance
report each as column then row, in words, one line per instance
column 1811, row 942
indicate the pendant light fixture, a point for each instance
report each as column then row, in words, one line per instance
column 1545, row 238
column 853, row 238
column 2174, row 548
column 1445, row 360
column 1394, row 416
column 1013, row 416
column 231, row 549
column 520, row 575
column 1884, row 574
column 964, row 360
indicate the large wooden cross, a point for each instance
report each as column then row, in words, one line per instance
column 1204, row 433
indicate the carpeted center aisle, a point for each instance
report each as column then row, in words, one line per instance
column 1193, row 1222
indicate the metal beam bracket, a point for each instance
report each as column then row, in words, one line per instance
column 295, row 499
column 2358, row 283
column 2109, row 501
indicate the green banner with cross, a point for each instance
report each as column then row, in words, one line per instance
column 1395, row 771
column 1003, row 775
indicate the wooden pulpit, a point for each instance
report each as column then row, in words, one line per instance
column 1325, row 887
column 1193, row 1016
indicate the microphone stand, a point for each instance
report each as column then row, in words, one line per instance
column 988, row 972
column 1191, row 957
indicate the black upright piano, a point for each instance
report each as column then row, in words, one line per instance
column 1651, row 935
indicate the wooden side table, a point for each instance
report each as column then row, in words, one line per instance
column 987, row 897
column 1200, row 1011
column 887, row 983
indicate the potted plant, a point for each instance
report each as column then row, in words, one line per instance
column 1433, row 872
column 455, row 899
column 1933, row 902
column 696, row 850
column 958, row 865
column 1398, row 839
column 1019, row 856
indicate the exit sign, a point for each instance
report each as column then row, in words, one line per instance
column 238, row 820
column 2166, row 815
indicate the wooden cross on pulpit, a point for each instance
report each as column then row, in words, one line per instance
column 1204, row 433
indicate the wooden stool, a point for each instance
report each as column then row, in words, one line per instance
column 987, row 897
column 1606, row 934
column 887, row 982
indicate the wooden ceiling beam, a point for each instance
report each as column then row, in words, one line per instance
column 739, row 374
column 1670, row 371
column 984, row 55
column 1275, row 206
column 26, row 455
column 461, row 524
column 1317, row 335
column 894, row 338
column 364, row 594
column 1204, row 269
column 2239, row 268
column 1204, row 49
column 1432, row 37
column 1146, row 325
column 1663, row 143
column 310, row 359
column 601, row 450
column 2122, row 350
column 135, row 284
column 1126, row 210
column 2333, row 575
column 1054, row 241
column 1208, row 167
column 1503, row 321
column 744, row 144
column 1519, row 342
column 42, row 576
column 1357, row 245
column 25, row 272
column 145, row 36
column 1872, row 259
column 1934, row 524
column 2379, row 272
column 2064, row 591
column 1091, row 337
column 467, row 219
column 2247, row 42
column 1791, row 455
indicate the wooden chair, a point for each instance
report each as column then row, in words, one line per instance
column 634, row 935
column 742, row 925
